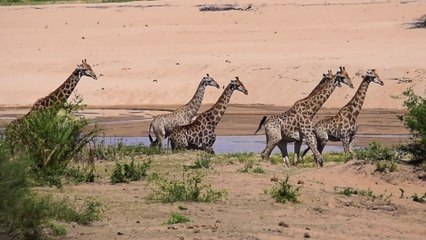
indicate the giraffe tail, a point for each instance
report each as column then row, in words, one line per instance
column 262, row 122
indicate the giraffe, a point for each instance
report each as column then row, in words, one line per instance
column 200, row 134
column 295, row 125
column 343, row 126
column 162, row 125
column 63, row 92
column 60, row 95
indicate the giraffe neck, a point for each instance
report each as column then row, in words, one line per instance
column 315, row 100
column 355, row 104
column 218, row 109
column 63, row 92
column 195, row 103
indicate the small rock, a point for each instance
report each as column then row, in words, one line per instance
column 196, row 230
column 308, row 228
column 138, row 221
column 120, row 233
column 283, row 224
column 300, row 182
column 218, row 221
column 307, row 235
column 274, row 179
column 83, row 37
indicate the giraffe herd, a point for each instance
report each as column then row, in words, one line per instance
column 294, row 125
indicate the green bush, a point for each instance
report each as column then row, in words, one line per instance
column 415, row 120
column 24, row 214
column 51, row 138
column 420, row 199
column 285, row 192
column 120, row 150
column 384, row 166
column 190, row 189
column 348, row 191
column 130, row 172
column 202, row 162
column 177, row 218
column 375, row 151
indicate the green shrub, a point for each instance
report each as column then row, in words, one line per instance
column 384, row 166
column 58, row 230
column 190, row 189
column 51, row 138
column 177, row 218
column 348, row 191
column 285, row 192
column 375, row 151
column 66, row 211
column 202, row 162
column 78, row 175
column 415, row 120
column 258, row 169
column 420, row 199
column 130, row 172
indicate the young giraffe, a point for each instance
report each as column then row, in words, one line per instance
column 296, row 125
column 162, row 125
column 200, row 134
column 343, row 126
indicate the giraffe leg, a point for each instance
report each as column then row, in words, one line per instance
column 297, row 146
column 305, row 152
column 270, row 145
column 282, row 145
column 311, row 141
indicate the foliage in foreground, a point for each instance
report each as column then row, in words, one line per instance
column 124, row 173
column 24, row 214
column 189, row 189
column 51, row 139
column 415, row 120
column 177, row 218
column 285, row 192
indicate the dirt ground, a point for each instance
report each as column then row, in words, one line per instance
column 250, row 213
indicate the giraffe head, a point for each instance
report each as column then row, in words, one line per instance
column 326, row 76
column 86, row 70
column 238, row 85
column 372, row 76
column 208, row 81
column 343, row 77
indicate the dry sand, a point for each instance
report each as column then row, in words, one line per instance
column 279, row 49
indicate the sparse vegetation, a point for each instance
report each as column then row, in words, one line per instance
column 189, row 189
column 202, row 162
column 420, row 199
column 285, row 192
column 177, row 218
column 348, row 191
column 385, row 166
column 375, row 152
column 124, row 173
column 120, row 150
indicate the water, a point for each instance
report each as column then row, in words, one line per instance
column 223, row 144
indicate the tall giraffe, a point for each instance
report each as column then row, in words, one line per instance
column 63, row 92
column 295, row 125
column 200, row 134
column 162, row 125
column 60, row 95
column 343, row 126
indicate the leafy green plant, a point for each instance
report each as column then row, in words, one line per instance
column 189, row 189
column 79, row 175
column 58, row 230
column 202, row 162
column 420, row 199
column 124, row 173
column 285, row 192
column 51, row 139
column 415, row 120
column 258, row 169
column 87, row 213
column 384, row 166
column 120, row 150
column 375, row 151
column 177, row 218
column 348, row 191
